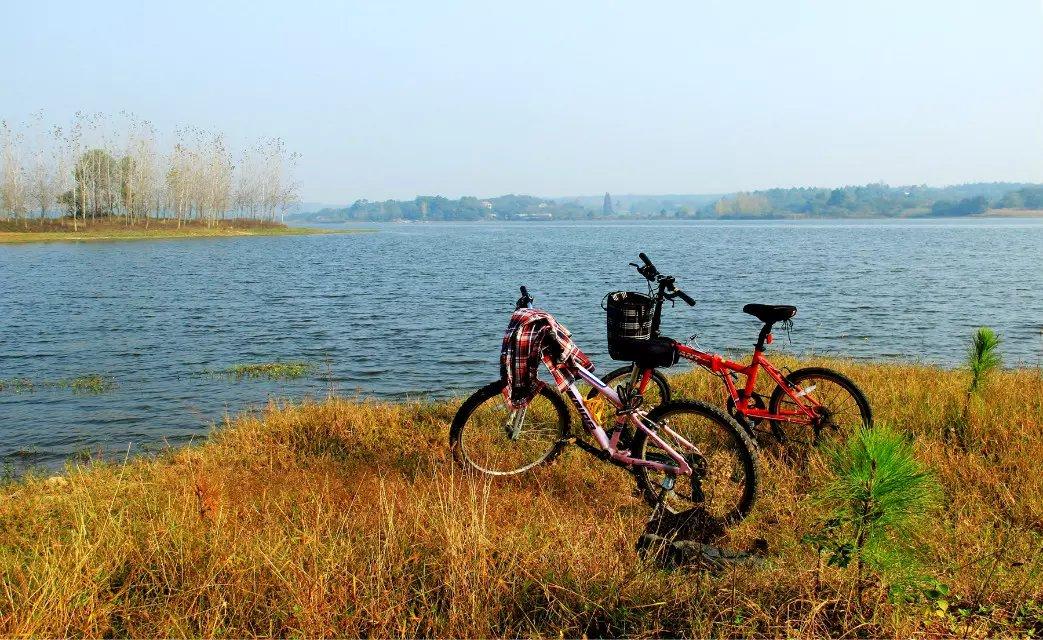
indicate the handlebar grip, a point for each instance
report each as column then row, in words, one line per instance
column 525, row 301
column 684, row 296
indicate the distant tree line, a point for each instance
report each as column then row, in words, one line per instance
column 1027, row 198
column 439, row 209
column 95, row 168
column 965, row 207
column 871, row 200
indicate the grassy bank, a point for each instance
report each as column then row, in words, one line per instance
column 62, row 230
column 344, row 518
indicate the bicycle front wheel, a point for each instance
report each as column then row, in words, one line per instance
column 490, row 438
column 725, row 471
column 657, row 392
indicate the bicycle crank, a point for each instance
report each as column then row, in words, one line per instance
column 669, row 482
column 756, row 401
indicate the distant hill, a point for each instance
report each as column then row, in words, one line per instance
column 862, row 201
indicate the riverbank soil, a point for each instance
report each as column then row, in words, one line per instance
column 57, row 229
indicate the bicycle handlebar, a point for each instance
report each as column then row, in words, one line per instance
column 525, row 301
column 684, row 296
column 649, row 271
column 666, row 283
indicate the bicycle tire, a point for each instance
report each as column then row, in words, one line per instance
column 457, row 432
column 822, row 373
column 744, row 449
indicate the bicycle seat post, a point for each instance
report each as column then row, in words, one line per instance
column 763, row 336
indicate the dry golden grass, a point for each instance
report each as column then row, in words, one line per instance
column 343, row 518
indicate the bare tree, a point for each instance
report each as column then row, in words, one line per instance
column 177, row 182
column 92, row 170
column 248, row 189
column 278, row 193
column 138, row 188
column 13, row 192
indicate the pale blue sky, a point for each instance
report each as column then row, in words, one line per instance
column 394, row 99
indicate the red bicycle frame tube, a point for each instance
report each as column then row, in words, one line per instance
column 724, row 368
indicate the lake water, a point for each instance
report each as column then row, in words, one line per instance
column 420, row 309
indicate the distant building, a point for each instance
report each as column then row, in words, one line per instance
column 606, row 208
column 486, row 204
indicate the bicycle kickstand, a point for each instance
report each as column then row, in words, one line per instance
column 666, row 486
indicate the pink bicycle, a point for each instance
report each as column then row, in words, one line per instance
column 684, row 454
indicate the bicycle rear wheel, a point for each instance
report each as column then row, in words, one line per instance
column 490, row 438
column 841, row 407
column 725, row 471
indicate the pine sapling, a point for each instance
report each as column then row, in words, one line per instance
column 879, row 498
column 983, row 358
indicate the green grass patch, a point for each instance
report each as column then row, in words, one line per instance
column 88, row 384
column 270, row 370
column 17, row 385
column 91, row 383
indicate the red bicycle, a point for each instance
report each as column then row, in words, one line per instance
column 805, row 405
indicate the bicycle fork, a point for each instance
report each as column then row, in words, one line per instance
column 514, row 423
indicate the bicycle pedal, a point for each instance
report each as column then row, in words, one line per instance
column 569, row 440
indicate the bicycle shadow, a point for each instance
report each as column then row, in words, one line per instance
column 689, row 539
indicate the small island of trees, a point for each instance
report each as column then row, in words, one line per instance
column 97, row 169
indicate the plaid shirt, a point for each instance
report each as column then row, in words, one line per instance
column 525, row 344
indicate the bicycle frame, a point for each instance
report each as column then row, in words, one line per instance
column 718, row 365
column 607, row 448
column 724, row 367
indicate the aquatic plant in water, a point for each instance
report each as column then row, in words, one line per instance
column 270, row 370
column 89, row 383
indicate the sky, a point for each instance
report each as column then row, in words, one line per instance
column 389, row 99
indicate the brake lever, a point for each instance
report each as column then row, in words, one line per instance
column 646, row 273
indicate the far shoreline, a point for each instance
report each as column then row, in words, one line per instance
column 62, row 230
column 991, row 214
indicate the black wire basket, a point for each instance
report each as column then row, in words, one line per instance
column 628, row 315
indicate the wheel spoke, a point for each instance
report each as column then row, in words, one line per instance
column 719, row 478
column 488, row 443
column 836, row 403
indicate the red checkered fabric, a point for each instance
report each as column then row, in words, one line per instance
column 531, row 336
